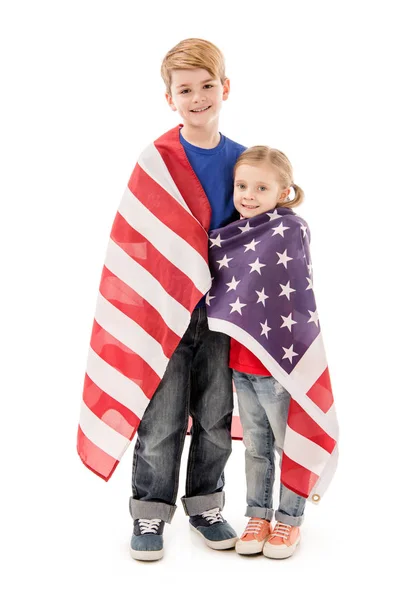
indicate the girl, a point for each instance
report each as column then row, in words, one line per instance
column 266, row 266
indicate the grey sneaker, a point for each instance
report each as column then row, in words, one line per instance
column 217, row 532
column 147, row 539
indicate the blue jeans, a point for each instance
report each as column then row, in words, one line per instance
column 263, row 409
column 198, row 383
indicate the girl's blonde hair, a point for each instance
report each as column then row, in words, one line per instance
column 265, row 154
column 193, row 53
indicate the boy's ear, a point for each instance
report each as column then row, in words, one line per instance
column 226, row 88
column 170, row 101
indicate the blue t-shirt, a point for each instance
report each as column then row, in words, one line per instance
column 214, row 170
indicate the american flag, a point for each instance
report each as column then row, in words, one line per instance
column 262, row 296
column 155, row 273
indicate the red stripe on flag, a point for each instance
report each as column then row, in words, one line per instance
column 236, row 429
column 168, row 210
column 181, row 171
column 321, row 392
column 175, row 282
column 109, row 410
column 94, row 458
column 302, row 423
column 296, row 478
column 124, row 360
column 129, row 302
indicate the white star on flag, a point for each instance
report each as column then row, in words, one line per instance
column 261, row 297
column 289, row 353
column 283, row 259
column 286, row 290
column 310, row 286
column 304, row 230
column 232, row 285
column 237, row 306
column 224, row 262
column 256, row 266
column 274, row 215
column 209, row 298
column 288, row 322
column 251, row 246
column 313, row 317
column 265, row 328
column 216, row 241
column 245, row 228
column 279, row 230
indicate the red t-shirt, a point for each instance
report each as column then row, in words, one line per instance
column 241, row 359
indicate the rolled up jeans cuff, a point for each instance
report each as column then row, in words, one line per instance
column 288, row 520
column 140, row 509
column 195, row 505
column 260, row 512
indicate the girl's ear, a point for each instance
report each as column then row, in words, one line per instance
column 284, row 195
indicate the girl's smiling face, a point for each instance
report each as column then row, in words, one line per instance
column 257, row 189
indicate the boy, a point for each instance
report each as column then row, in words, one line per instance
column 197, row 380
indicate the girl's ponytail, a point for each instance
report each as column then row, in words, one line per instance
column 298, row 198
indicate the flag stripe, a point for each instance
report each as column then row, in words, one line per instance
column 301, row 422
column 129, row 363
column 296, row 478
column 139, row 279
column 181, row 266
column 321, row 392
column 94, row 458
column 100, row 434
column 109, row 410
column 130, row 334
column 186, row 180
column 125, row 299
column 311, row 365
column 168, row 210
column 116, row 385
column 304, row 451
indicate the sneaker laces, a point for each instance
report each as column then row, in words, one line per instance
column 149, row 525
column 282, row 530
column 253, row 526
column 213, row 516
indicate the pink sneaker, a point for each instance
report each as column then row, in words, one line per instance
column 254, row 536
column 282, row 542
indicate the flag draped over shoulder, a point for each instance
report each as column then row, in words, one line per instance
column 262, row 296
column 155, row 273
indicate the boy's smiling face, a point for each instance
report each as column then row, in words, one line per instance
column 197, row 96
column 257, row 189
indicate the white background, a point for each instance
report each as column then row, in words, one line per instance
column 81, row 96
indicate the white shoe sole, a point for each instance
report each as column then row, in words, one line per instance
column 222, row 545
column 252, row 547
column 147, row 554
column 271, row 551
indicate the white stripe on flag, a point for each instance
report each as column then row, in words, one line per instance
column 116, row 385
column 141, row 281
column 305, row 452
column 131, row 334
column 101, row 434
column 151, row 162
column 311, row 366
column 179, row 252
